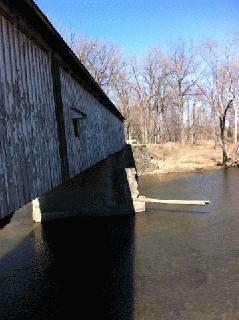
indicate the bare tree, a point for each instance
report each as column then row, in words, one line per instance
column 156, row 74
column 124, row 99
column 220, row 86
column 173, row 96
column 104, row 61
column 183, row 78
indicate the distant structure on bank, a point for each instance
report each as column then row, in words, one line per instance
column 55, row 121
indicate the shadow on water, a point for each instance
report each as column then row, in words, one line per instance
column 162, row 265
column 5, row 221
column 76, row 268
column 79, row 267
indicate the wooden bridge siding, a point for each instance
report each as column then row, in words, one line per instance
column 101, row 132
column 29, row 150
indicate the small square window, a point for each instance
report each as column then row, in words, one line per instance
column 77, row 118
column 76, row 124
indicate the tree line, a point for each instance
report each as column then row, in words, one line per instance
column 183, row 94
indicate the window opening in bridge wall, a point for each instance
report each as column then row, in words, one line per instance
column 77, row 118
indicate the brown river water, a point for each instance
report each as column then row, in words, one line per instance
column 173, row 262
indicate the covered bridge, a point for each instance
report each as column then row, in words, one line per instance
column 55, row 120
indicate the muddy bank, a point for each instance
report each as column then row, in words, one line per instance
column 173, row 158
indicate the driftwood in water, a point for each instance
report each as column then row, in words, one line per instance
column 181, row 202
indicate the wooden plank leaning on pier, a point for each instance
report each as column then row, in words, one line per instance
column 181, row 202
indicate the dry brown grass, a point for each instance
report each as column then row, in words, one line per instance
column 177, row 158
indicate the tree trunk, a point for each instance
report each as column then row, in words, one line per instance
column 188, row 124
column 236, row 145
column 235, row 126
column 181, row 112
column 222, row 138
column 145, row 132
column 181, row 125
column 194, row 135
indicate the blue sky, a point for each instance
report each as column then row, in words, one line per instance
column 137, row 24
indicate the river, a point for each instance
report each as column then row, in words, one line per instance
column 173, row 262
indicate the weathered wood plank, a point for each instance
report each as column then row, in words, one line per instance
column 27, row 112
column 101, row 132
column 33, row 100
column 178, row 202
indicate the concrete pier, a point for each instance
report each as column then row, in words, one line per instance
column 108, row 188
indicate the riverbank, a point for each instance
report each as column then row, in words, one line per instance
column 173, row 157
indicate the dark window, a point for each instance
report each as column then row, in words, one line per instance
column 77, row 121
column 76, row 124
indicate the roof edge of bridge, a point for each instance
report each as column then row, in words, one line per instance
column 37, row 19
